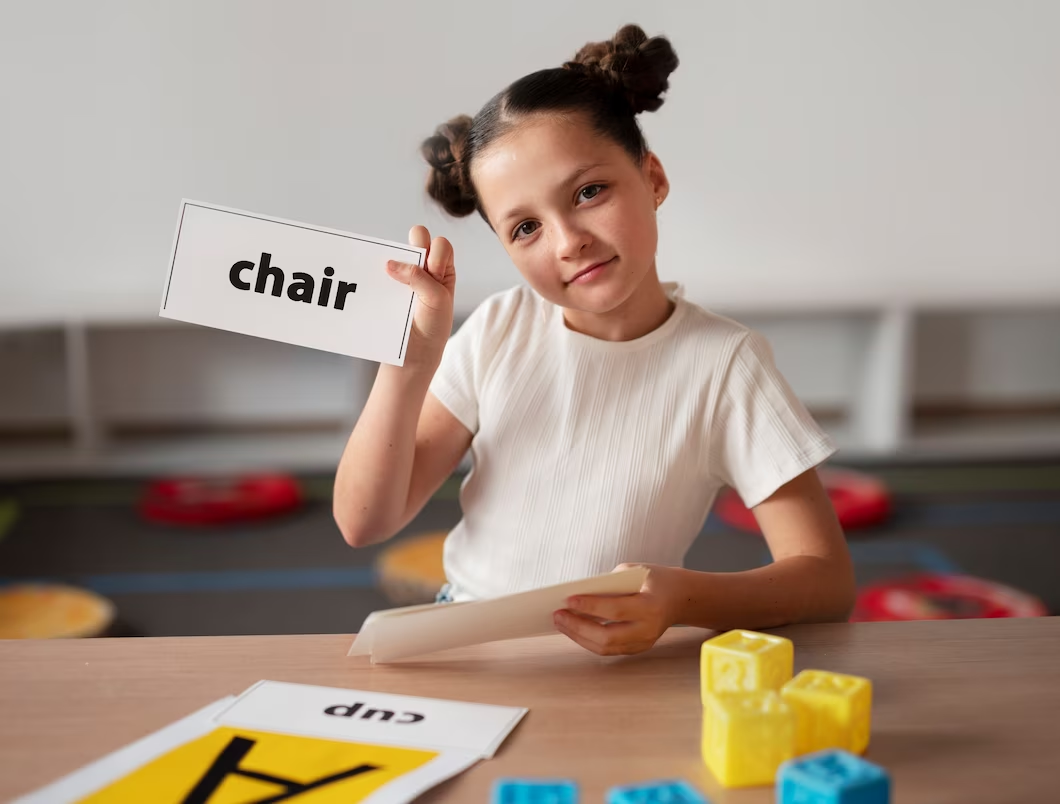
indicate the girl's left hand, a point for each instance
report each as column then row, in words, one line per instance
column 612, row 625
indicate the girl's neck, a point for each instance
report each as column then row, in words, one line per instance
column 645, row 311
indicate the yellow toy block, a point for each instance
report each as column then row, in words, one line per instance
column 745, row 660
column 832, row 710
column 746, row 736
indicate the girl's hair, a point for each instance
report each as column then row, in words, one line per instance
column 610, row 82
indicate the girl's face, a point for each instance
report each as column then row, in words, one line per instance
column 574, row 212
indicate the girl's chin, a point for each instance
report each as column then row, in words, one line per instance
column 598, row 301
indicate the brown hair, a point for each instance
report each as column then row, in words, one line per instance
column 610, row 82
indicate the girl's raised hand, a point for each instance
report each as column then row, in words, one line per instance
column 434, row 286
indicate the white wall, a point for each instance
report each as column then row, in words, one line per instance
column 820, row 152
column 822, row 155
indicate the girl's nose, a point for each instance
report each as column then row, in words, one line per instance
column 570, row 239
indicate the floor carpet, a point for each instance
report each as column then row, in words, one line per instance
column 295, row 574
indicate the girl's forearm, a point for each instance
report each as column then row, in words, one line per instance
column 372, row 481
column 798, row 589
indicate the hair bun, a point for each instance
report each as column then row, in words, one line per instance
column 448, row 182
column 640, row 65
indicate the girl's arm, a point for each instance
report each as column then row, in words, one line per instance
column 810, row 580
column 405, row 443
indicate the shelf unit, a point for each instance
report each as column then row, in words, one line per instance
column 139, row 396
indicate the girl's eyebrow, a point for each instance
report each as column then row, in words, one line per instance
column 520, row 212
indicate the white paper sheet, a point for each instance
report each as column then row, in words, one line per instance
column 400, row 633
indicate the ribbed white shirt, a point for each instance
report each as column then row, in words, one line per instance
column 589, row 453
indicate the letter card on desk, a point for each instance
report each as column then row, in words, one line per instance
column 318, row 745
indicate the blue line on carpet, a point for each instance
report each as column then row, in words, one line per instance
column 132, row 583
column 923, row 556
column 1027, row 512
column 919, row 555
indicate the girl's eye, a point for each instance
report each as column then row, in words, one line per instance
column 586, row 193
column 524, row 230
column 589, row 192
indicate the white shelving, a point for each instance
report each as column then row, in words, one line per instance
column 984, row 436
column 140, row 397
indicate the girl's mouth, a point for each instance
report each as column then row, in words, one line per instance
column 590, row 273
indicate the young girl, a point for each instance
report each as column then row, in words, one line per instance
column 603, row 411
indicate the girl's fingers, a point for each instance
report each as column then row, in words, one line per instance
column 623, row 608
column 440, row 258
column 606, row 640
column 438, row 261
column 420, row 238
column 421, row 282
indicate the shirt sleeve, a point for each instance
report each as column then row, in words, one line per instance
column 458, row 381
column 762, row 436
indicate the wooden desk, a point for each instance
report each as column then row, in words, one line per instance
column 963, row 711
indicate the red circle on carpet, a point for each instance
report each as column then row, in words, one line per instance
column 860, row 501
column 211, row 501
column 943, row 597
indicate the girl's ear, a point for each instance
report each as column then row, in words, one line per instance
column 656, row 177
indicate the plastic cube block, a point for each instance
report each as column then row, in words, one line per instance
column 745, row 660
column 666, row 791
column 534, row 791
column 832, row 777
column 832, row 710
column 746, row 736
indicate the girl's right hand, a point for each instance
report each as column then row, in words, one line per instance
column 434, row 286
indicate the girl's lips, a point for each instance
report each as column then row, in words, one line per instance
column 590, row 273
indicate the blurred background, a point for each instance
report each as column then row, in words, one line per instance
column 874, row 185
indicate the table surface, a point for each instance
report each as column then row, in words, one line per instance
column 963, row 710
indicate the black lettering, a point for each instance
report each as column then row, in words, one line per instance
column 385, row 714
column 325, row 286
column 264, row 271
column 302, row 290
column 350, row 710
column 415, row 718
column 345, row 288
column 237, row 269
column 227, row 764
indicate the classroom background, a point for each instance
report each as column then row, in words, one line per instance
column 875, row 186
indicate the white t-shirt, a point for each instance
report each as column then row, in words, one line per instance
column 589, row 453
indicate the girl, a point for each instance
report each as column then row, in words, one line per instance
column 603, row 411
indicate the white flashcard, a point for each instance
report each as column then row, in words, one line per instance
column 199, row 759
column 289, row 281
column 403, row 632
column 373, row 717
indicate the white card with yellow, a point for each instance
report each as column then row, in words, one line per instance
column 267, row 745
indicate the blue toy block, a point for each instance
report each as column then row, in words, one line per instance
column 832, row 777
column 666, row 791
column 534, row 791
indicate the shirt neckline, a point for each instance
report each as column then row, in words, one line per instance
column 674, row 291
